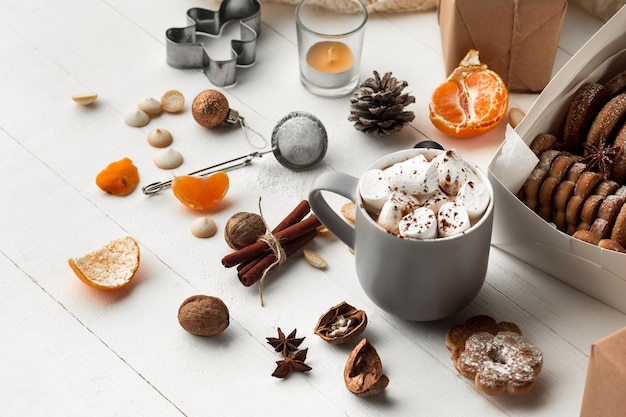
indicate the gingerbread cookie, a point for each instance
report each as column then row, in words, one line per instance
column 587, row 102
column 618, row 169
column 543, row 142
column 495, row 355
column 616, row 84
column 605, row 122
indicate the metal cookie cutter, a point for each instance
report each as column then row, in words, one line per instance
column 184, row 52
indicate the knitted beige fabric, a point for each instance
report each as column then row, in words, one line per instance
column 383, row 6
column 602, row 9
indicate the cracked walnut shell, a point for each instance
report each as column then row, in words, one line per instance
column 363, row 373
column 341, row 323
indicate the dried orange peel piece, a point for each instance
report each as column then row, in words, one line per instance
column 118, row 178
column 472, row 100
column 110, row 267
column 201, row 193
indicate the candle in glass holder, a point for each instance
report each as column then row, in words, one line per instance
column 330, row 57
column 329, row 47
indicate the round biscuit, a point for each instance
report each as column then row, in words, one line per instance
column 543, row 142
column 610, row 244
column 583, row 108
column 572, row 211
column 547, row 191
column 590, row 208
column 587, row 236
column 587, row 183
column 618, row 233
column 605, row 122
column 562, row 194
column 606, row 187
column 574, row 171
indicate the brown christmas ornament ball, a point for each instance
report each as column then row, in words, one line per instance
column 210, row 108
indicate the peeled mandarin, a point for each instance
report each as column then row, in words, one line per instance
column 118, row 178
column 200, row 193
column 471, row 101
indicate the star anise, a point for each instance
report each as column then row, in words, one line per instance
column 285, row 344
column 292, row 363
column 599, row 158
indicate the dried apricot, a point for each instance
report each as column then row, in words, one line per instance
column 201, row 193
column 118, row 178
column 472, row 100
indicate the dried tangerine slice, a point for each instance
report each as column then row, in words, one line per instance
column 201, row 193
column 472, row 100
column 110, row 267
column 118, row 178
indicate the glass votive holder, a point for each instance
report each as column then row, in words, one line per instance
column 329, row 47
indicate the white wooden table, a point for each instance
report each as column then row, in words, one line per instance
column 69, row 350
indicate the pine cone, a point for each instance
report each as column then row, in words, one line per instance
column 377, row 107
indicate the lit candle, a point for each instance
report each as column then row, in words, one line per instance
column 330, row 57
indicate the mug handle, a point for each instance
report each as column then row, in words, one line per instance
column 339, row 183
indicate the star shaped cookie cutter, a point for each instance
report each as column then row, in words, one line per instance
column 184, row 52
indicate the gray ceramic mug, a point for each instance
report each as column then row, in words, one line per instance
column 412, row 279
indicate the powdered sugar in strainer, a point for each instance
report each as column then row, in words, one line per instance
column 299, row 142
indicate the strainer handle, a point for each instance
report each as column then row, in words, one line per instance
column 338, row 183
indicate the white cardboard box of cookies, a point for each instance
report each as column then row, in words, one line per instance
column 522, row 232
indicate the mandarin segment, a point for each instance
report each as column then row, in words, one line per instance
column 471, row 101
column 201, row 193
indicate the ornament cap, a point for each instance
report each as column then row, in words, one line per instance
column 232, row 117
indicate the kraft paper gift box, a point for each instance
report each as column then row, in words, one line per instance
column 517, row 39
column 606, row 378
column 517, row 229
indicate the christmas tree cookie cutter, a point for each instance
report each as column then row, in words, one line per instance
column 184, row 52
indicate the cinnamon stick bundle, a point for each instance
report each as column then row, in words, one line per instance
column 297, row 214
column 260, row 247
column 254, row 273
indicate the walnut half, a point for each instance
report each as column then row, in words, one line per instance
column 341, row 323
column 363, row 373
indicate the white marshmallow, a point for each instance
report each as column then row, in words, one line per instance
column 374, row 189
column 435, row 200
column 395, row 208
column 453, row 171
column 415, row 176
column 452, row 219
column 421, row 223
column 474, row 197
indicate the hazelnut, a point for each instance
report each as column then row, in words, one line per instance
column 203, row 315
column 341, row 323
column 243, row 229
column 363, row 373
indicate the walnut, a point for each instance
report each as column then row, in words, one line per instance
column 243, row 229
column 341, row 323
column 363, row 373
column 203, row 315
